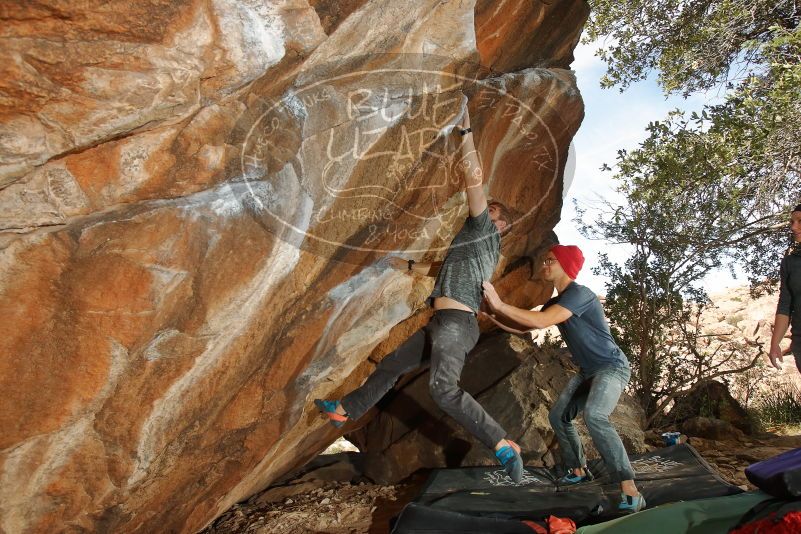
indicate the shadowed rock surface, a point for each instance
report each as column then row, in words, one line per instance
column 196, row 198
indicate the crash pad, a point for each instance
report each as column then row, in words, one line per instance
column 667, row 475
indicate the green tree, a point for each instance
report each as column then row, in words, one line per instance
column 752, row 51
column 679, row 210
column 703, row 191
column 692, row 46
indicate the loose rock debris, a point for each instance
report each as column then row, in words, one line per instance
column 312, row 506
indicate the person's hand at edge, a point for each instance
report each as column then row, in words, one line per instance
column 775, row 356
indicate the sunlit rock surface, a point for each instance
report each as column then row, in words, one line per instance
column 196, row 202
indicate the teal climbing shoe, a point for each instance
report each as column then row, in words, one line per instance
column 329, row 408
column 512, row 462
column 571, row 478
column 631, row 504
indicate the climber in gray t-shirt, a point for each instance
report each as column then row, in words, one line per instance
column 452, row 331
column 471, row 259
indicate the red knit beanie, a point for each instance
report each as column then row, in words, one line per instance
column 570, row 258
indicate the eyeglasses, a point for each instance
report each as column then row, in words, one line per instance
column 549, row 261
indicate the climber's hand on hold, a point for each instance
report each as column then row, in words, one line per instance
column 398, row 264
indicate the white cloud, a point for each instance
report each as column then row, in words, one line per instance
column 585, row 60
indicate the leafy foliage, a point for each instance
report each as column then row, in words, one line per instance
column 703, row 191
column 693, row 45
column 781, row 406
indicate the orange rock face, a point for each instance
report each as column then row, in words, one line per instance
column 197, row 200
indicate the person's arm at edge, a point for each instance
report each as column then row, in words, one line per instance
column 782, row 320
column 780, row 325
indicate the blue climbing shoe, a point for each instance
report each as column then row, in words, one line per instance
column 512, row 462
column 631, row 504
column 329, row 408
column 571, row 478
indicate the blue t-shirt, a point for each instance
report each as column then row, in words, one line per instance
column 586, row 332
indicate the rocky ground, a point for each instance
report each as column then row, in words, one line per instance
column 308, row 504
column 335, row 508
column 328, row 496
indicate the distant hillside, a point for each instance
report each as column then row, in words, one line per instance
column 752, row 319
column 741, row 319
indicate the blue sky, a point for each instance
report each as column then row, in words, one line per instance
column 613, row 120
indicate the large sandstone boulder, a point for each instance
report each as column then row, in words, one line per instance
column 515, row 380
column 196, row 200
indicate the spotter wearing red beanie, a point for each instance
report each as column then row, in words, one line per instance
column 570, row 258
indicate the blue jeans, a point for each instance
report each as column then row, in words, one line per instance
column 597, row 394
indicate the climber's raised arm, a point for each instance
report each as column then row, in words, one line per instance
column 470, row 166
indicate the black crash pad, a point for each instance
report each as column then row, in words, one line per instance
column 484, row 499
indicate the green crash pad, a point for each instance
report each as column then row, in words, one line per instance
column 703, row 516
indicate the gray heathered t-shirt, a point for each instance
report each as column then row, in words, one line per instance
column 586, row 332
column 471, row 259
